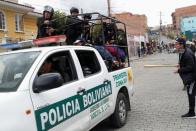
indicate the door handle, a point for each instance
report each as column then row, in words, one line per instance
column 105, row 81
column 81, row 90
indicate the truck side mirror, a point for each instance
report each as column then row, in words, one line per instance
column 47, row 81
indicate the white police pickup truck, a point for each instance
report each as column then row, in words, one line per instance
column 61, row 88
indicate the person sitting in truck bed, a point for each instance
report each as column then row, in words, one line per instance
column 117, row 52
column 111, row 62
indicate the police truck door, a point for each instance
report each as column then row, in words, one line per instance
column 60, row 108
column 97, row 95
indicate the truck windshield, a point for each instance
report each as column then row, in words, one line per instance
column 13, row 68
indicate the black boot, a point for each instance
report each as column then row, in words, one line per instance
column 190, row 114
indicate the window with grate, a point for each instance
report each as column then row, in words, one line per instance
column 19, row 22
column 2, row 21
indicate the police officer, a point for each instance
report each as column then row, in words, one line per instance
column 73, row 29
column 74, row 11
column 86, row 35
column 187, row 71
column 44, row 24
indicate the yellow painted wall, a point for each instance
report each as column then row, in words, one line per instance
column 30, row 27
column 1, row 35
column 29, row 24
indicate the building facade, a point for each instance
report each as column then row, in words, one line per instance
column 136, row 26
column 181, row 13
column 17, row 22
column 188, row 24
column 188, row 27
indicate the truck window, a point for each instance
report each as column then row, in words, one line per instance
column 89, row 62
column 14, row 68
column 61, row 63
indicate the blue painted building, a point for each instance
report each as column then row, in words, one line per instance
column 188, row 27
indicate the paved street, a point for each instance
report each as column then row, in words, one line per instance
column 158, row 101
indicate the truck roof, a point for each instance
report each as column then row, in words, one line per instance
column 47, row 49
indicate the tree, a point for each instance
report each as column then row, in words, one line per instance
column 97, row 34
column 60, row 20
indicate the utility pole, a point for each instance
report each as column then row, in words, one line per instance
column 160, row 29
column 81, row 10
column 109, row 8
column 160, row 20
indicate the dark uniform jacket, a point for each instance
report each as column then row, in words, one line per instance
column 42, row 28
column 187, row 68
column 73, row 29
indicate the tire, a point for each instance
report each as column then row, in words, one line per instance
column 119, row 117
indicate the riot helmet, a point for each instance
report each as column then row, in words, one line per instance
column 48, row 9
column 74, row 10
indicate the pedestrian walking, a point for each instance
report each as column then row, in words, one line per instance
column 138, row 51
column 187, row 71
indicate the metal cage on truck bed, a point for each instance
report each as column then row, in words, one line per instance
column 96, row 29
column 106, row 34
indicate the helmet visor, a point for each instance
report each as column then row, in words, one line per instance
column 48, row 8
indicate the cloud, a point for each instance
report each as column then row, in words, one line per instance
column 151, row 8
column 87, row 6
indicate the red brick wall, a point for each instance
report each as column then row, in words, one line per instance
column 135, row 24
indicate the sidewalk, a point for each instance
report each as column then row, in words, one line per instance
column 133, row 58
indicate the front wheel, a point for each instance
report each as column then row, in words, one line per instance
column 119, row 117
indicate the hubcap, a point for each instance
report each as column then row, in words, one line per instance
column 122, row 110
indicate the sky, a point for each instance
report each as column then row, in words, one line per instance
column 151, row 8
